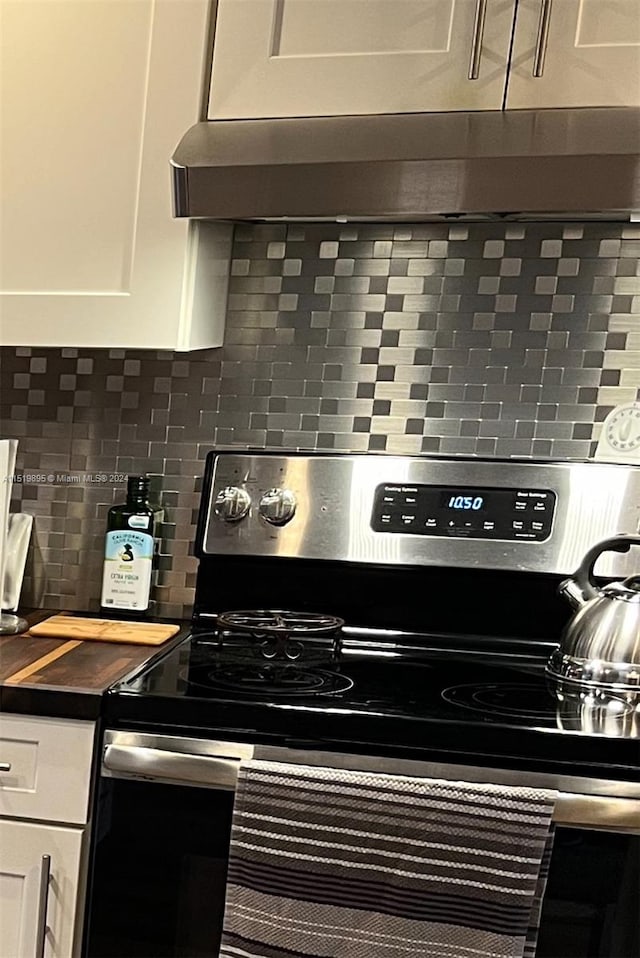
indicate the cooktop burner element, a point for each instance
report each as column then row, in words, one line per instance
column 280, row 634
column 251, row 679
column 513, row 701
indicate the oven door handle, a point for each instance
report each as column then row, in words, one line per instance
column 146, row 763
column 181, row 768
column 601, row 812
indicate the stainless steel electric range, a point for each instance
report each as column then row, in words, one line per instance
column 374, row 612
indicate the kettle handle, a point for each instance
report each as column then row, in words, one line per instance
column 583, row 577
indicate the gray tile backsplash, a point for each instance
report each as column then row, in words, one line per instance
column 477, row 339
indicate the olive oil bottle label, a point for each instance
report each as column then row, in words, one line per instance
column 126, row 577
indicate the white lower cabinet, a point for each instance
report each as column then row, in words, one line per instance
column 41, row 871
column 45, row 789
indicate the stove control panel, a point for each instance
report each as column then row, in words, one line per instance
column 470, row 513
column 464, row 511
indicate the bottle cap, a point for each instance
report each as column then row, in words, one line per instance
column 138, row 485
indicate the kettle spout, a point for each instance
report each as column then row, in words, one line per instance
column 574, row 594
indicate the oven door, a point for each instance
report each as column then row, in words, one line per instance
column 159, row 859
column 162, row 837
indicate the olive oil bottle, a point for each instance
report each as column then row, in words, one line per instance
column 130, row 552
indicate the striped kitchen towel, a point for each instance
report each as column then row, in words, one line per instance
column 331, row 863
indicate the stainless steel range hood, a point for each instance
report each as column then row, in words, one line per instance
column 529, row 163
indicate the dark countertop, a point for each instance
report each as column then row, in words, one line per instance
column 66, row 678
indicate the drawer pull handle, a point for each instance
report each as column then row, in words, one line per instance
column 543, row 38
column 43, row 898
column 476, row 43
column 5, row 766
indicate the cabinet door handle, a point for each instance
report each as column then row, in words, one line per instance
column 543, row 37
column 43, row 898
column 5, row 766
column 476, row 43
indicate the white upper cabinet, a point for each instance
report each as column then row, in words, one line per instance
column 570, row 53
column 95, row 96
column 278, row 58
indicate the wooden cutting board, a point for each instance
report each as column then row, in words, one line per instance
column 103, row 630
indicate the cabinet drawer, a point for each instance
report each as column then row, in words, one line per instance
column 45, row 768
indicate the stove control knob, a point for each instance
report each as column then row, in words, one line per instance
column 232, row 504
column 277, row 506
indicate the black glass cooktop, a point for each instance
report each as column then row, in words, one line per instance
column 459, row 703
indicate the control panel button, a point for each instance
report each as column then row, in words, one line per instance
column 232, row 504
column 408, row 519
column 277, row 506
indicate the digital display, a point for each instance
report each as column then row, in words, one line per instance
column 464, row 511
column 456, row 499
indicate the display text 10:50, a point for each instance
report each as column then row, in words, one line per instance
column 466, row 502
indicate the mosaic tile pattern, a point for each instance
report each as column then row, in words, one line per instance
column 477, row 339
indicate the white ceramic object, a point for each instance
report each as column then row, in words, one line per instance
column 8, row 450
column 16, row 548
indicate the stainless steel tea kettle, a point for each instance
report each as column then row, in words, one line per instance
column 600, row 646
